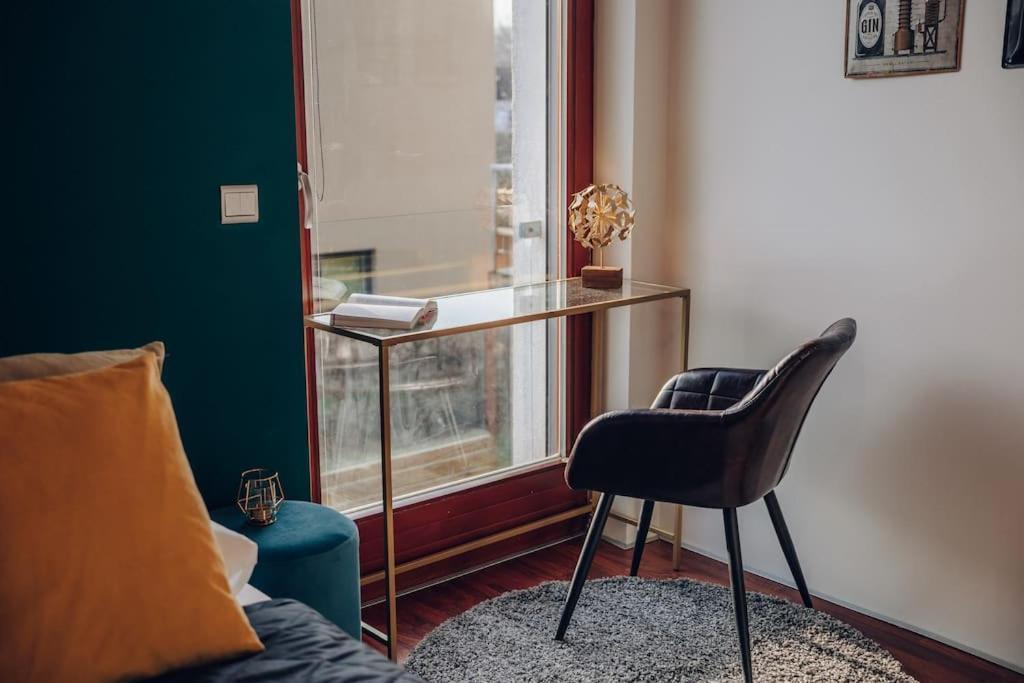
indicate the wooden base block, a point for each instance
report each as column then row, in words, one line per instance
column 602, row 277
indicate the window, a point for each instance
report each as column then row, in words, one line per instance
column 430, row 130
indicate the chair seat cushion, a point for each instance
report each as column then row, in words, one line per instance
column 707, row 388
column 301, row 645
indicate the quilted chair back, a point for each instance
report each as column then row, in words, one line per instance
column 769, row 418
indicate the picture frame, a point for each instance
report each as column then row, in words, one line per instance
column 1013, row 40
column 887, row 38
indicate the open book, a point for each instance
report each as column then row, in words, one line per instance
column 389, row 312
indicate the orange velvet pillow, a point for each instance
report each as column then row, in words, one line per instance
column 108, row 567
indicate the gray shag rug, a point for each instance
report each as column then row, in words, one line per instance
column 630, row 629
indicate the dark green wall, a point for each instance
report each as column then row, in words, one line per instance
column 121, row 121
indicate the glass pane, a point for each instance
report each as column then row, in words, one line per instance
column 451, row 413
column 429, row 126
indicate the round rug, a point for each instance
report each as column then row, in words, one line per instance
column 631, row 629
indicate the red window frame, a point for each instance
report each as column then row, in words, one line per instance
column 504, row 504
column 579, row 174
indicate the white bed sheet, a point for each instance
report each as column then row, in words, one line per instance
column 249, row 595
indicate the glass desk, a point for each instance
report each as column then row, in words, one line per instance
column 474, row 311
column 489, row 308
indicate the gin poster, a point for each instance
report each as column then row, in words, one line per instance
column 902, row 37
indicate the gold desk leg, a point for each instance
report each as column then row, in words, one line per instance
column 677, row 538
column 685, row 334
column 597, row 337
column 390, row 598
column 684, row 340
column 598, row 325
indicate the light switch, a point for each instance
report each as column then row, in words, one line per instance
column 239, row 204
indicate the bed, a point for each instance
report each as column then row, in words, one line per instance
column 300, row 645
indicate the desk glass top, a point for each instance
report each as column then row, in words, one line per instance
column 489, row 308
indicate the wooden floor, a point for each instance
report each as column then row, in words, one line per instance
column 420, row 612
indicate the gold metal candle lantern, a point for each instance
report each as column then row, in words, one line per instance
column 597, row 214
column 260, row 496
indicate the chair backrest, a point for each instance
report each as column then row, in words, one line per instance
column 768, row 419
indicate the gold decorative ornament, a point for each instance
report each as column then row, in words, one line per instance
column 597, row 215
column 260, row 496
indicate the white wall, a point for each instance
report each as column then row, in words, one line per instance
column 632, row 66
column 798, row 197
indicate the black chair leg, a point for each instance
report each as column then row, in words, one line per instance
column 579, row 577
column 739, row 593
column 787, row 546
column 641, row 535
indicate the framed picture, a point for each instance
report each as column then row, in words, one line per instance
column 1013, row 42
column 903, row 37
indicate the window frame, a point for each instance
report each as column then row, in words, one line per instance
column 522, row 497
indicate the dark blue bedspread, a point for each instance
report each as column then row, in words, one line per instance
column 301, row 645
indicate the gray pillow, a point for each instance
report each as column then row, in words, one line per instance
column 36, row 365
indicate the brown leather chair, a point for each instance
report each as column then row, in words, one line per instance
column 714, row 438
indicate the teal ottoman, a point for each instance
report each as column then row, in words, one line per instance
column 310, row 554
